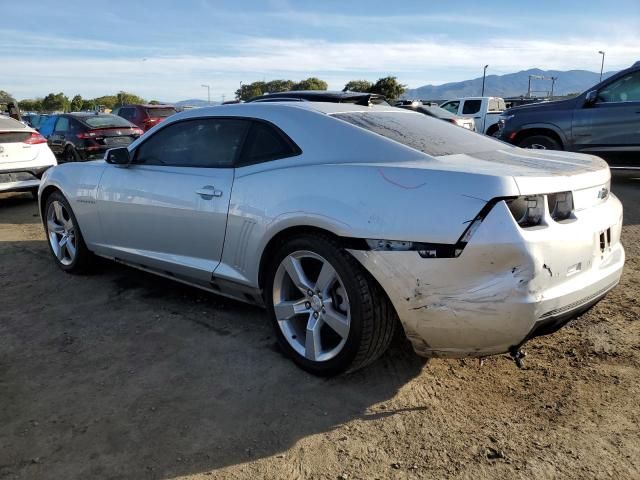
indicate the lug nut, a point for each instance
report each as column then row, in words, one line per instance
column 315, row 314
column 307, row 305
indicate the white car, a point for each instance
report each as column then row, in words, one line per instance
column 24, row 156
column 347, row 221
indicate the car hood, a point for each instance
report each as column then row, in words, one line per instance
column 542, row 106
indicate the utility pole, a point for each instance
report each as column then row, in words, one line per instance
column 484, row 74
column 208, row 87
column 553, row 82
column 223, row 98
column 601, row 52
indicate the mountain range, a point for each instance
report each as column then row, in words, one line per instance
column 511, row 85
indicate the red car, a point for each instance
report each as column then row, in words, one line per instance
column 145, row 116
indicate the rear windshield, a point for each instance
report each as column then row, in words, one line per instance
column 14, row 137
column 160, row 112
column 106, row 121
column 421, row 132
column 8, row 123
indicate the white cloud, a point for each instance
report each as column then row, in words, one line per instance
column 418, row 62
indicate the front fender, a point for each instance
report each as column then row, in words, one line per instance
column 78, row 182
column 547, row 126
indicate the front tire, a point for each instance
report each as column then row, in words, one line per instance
column 329, row 314
column 540, row 142
column 64, row 237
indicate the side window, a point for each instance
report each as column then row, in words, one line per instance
column 62, row 125
column 46, row 128
column 74, row 126
column 266, row 143
column 451, row 106
column 471, row 106
column 126, row 113
column 625, row 89
column 203, row 142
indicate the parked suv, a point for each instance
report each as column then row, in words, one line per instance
column 83, row 136
column 145, row 116
column 605, row 121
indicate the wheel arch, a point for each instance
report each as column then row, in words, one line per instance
column 492, row 130
column 46, row 193
column 293, row 231
column 541, row 129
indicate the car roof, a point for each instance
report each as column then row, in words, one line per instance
column 148, row 105
column 249, row 108
column 320, row 96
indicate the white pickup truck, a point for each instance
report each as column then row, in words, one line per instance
column 485, row 111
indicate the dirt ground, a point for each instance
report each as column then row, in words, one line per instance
column 120, row 374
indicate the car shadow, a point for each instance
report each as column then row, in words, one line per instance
column 122, row 374
column 19, row 208
column 628, row 190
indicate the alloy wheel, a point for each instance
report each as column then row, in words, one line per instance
column 62, row 236
column 311, row 306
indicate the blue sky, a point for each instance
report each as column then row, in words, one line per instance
column 166, row 50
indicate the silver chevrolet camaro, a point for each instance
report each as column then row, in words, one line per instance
column 347, row 222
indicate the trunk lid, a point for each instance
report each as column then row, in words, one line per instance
column 14, row 150
column 535, row 172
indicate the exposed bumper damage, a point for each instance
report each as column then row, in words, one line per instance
column 509, row 283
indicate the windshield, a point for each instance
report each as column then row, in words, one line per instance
column 160, row 112
column 421, row 132
column 106, row 121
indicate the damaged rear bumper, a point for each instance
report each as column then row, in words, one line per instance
column 508, row 285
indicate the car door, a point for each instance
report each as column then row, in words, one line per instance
column 612, row 123
column 167, row 210
column 473, row 108
column 58, row 137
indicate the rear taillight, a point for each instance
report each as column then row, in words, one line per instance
column 527, row 210
column 86, row 135
column 35, row 138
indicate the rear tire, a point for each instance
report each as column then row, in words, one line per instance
column 70, row 155
column 540, row 142
column 333, row 297
column 64, row 237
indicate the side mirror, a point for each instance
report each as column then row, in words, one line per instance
column 591, row 98
column 118, row 156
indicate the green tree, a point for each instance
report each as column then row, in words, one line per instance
column 30, row 105
column 88, row 105
column 155, row 102
column 5, row 97
column 125, row 98
column 358, row 86
column 275, row 86
column 57, row 102
column 109, row 101
column 250, row 90
column 389, row 87
column 311, row 83
column 76, row 103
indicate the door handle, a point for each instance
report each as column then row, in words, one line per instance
column 208, row 192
